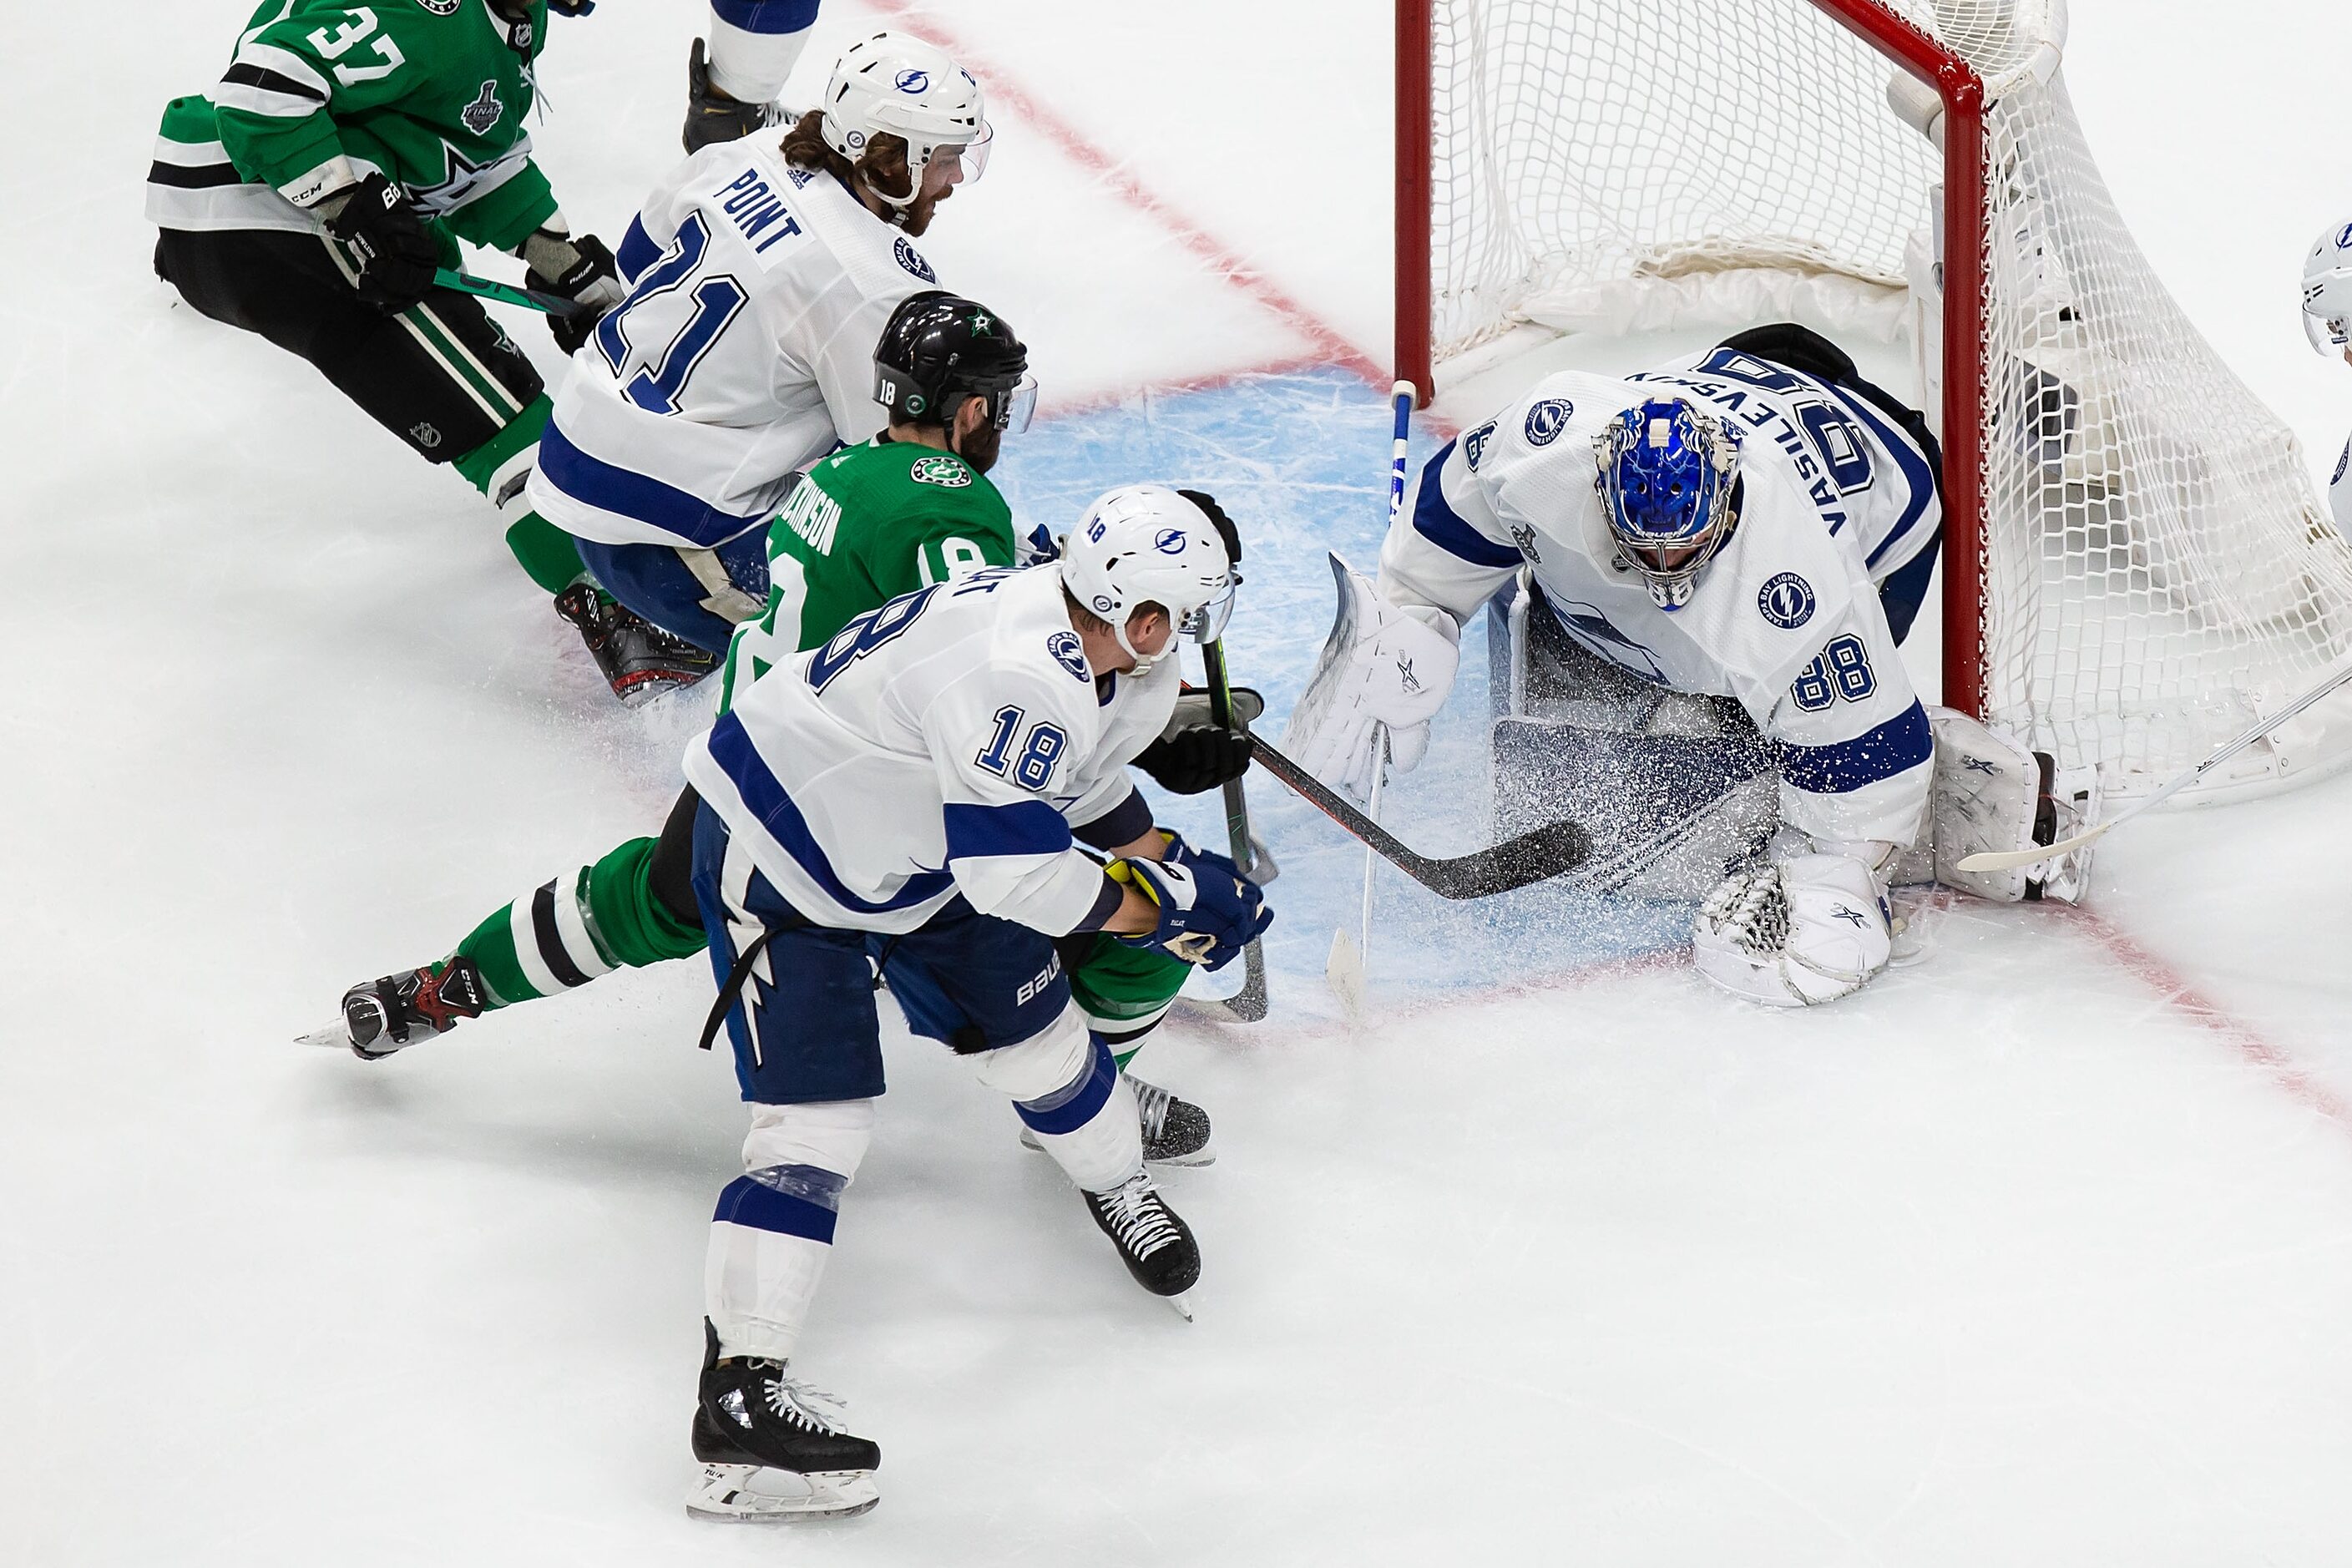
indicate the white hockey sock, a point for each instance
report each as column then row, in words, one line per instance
column 750, row 66
column 1064, row 1086
column 772, row 1231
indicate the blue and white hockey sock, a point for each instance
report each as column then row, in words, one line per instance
column 772, row 1231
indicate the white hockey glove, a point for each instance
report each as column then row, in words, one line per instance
column 1382, row 664
column 1793, row 933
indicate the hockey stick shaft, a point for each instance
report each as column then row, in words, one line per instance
column 2010, row 859
column 1530, row 858
column 506, row 294
column 1248, row 1004
column 1401, row 400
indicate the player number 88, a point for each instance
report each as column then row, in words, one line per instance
column 1841, row 669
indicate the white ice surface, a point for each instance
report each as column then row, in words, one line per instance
column 2039, row 1252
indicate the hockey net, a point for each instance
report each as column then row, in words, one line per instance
column 2137, row 563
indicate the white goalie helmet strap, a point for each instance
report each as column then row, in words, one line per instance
column 897, row 85
column 1146, row 544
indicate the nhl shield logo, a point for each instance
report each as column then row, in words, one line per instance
column 484, row 111
column 1785, row 601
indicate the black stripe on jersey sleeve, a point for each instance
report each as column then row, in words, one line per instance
column 270, row 82
column 196, row 179
column 550, row 940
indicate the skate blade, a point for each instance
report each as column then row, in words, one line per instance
column 758, row 1494
column 1182, row 1308
column 332, row 1036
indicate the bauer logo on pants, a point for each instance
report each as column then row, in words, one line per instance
column 1787, row 601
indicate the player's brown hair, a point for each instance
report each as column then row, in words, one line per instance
column 882, row 164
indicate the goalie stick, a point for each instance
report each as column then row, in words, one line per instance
column 507, row 294
column 1530, row 858
column 2010, row 859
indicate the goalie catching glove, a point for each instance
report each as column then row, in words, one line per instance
column 1208, row 910
column 1794, row 932
column 1381, row 666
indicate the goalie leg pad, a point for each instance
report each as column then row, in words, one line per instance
column 1794, row 933
column 1991, row 794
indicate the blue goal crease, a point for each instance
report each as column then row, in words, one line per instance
column 1301, row 460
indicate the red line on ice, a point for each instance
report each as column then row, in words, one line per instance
column 1327, row 339
column 2183, row 997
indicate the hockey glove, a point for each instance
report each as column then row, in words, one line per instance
column 579, row 269
column 1795, row 932
column 395, row 255
column 1195, row 761
column 1383, row 664
column 1208, row 913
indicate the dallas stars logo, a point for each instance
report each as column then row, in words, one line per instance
column 460, row 175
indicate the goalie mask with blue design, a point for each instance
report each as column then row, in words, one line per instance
column 1665, row 474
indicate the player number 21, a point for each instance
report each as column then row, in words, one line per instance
column 1034, row 768
column 1841, row 669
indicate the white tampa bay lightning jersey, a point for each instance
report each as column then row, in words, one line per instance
column 1786, row 619
column 942, row 745
column 744, row 351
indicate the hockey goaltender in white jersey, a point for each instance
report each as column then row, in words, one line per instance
column 1727, row 526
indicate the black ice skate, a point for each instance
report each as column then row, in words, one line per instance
column 381, row 1015
column 637, row 658
column 1155, row 1246
column 771, row 1448
column 1175, row 1132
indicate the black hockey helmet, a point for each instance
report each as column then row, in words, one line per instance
column 940, row 349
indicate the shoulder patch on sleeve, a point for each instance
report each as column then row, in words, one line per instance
column 1786, row 600
column 1070, row 653
column 1474, row 445
column 940, row 469
column 441, row 7
column 912, row 260
column 1547, row 418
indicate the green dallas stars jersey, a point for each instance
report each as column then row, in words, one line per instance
column 868, row 523
column 431, row 93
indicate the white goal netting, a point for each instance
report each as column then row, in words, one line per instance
column 2156, row 572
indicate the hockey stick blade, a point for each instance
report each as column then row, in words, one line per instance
column 2010, row 859
column 1530, row 858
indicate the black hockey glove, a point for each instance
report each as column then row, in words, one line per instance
column 1192, row 761
column 581, row 269
column 395, row 255
column 712, row 115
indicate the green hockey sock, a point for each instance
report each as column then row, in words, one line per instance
column 572, row 928
column 500, row 468
column 1122, row 989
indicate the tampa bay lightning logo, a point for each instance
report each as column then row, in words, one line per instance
column 2343, row 240
column 1169, row 542
column 1787, row 601
column 1474, row 445
column 2342, row 464
column 1547, row 419
column 912, row 260
column 912, row 82
column 1068, row 652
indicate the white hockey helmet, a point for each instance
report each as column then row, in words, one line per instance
column 893, row 84
column 1146, row 544
column 2327, row 289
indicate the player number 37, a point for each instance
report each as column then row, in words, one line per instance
column 1840, row 671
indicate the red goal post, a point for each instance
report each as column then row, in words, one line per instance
column 2125, row 582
